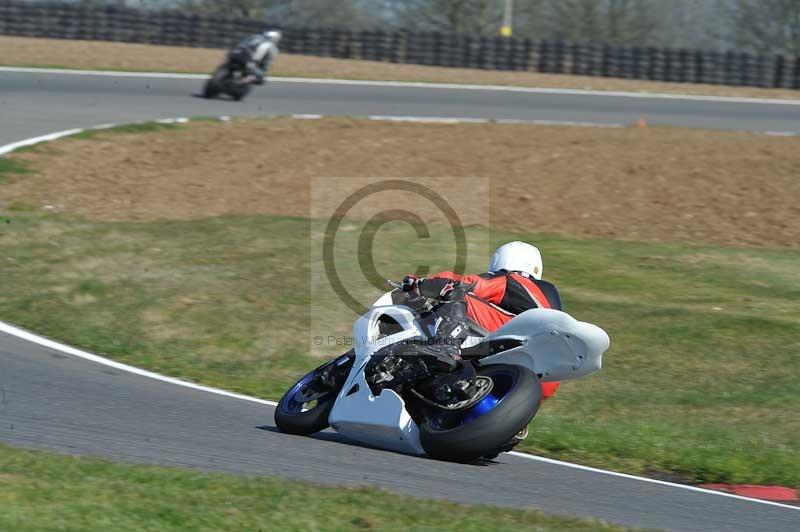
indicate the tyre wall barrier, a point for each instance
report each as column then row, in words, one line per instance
column 176, row 28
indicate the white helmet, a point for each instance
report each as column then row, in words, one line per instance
column 517, row 257
column 273, row 35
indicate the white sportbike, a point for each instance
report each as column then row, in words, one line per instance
column 398, row 390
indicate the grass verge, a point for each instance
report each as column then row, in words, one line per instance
column 127, row 129
column 701, row 382
column 11, row 166
column 40, row 491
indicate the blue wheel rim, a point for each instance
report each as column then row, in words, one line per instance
column 503, row 384
column 294, row 400
column 292, row 404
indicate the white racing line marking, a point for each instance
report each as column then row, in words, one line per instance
column 8, row 148
column 56, row 346
column 22, row 334
column 422, row 85
column 781, row 133
column 36, row 140
column 649, row 480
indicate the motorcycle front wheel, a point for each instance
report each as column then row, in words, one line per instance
column 486, row 427
column 305, row 407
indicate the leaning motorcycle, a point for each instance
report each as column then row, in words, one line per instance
column 230, row 78
column 398, row 390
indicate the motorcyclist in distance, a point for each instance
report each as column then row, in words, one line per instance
column 256, row 53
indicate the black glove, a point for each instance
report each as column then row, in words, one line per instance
column 455, row 291
column 411, row 284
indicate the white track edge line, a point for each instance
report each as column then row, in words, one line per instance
column 8, row 148
column 22, row 334
column 648, row 480
column 424, row 85
column 51, row 344
column 467, row 120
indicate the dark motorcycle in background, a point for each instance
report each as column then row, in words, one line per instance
column 231, row 78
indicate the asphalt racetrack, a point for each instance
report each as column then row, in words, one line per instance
column 57, row 401
column 34, row 104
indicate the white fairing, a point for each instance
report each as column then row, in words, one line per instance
column 380, row 421
column 553, row 345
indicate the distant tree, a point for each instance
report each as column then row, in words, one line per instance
column 764, row 26
column 612, row 21
column 235, row 8
column 353, row 14
column 690, row 24
column 102, row 3
column 529, row 19
column 461, row 16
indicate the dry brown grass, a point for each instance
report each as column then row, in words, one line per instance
column 659, row 184
column 23, row 51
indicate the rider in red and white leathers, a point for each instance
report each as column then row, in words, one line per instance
column 487, row 301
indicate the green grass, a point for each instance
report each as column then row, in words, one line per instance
column 9, row 167
column 20, row 206
column 41, row 491
column 130, row 129
column 701, row 381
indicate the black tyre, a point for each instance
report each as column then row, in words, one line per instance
column 239, row 92
column 304, row 409
column 210, row 89
column 483, row 429
column 213, row 86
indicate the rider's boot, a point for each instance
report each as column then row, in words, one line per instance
column 516, row 440
column 509, row 445
column 521, row 435
column 451, row 325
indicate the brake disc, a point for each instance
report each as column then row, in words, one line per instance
column 484, row 385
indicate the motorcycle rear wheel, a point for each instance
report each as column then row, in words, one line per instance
column 483, row 429
column 305, row 407
column 213, row 86
column 239, row 92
